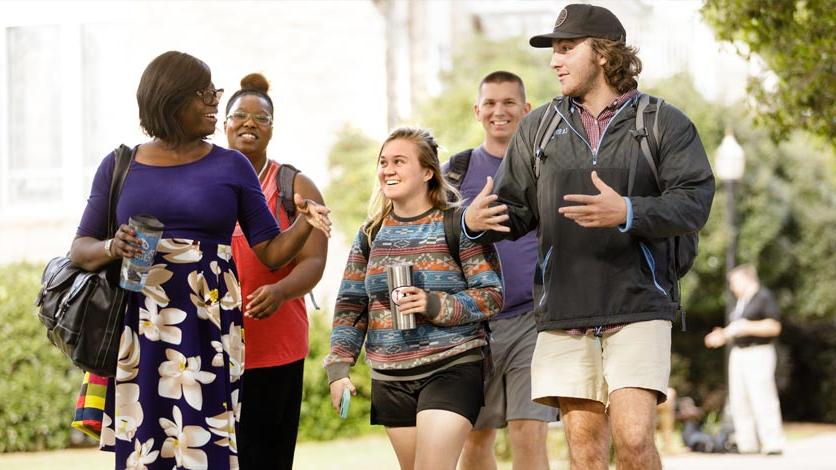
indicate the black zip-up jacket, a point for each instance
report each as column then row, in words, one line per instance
column 601, row 276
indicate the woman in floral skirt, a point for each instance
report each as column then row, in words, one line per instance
column 174, row 400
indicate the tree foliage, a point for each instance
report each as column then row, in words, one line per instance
column 39, row 385
column 786, row 206
column 795, row 40
column 450, row 114
column 352, row 161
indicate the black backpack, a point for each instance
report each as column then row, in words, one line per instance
column 457, row 168
column 285, row 179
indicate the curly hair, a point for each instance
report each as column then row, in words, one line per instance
column 623, row 63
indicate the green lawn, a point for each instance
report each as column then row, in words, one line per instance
column 371, row 452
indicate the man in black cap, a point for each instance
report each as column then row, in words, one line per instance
column 611, row 216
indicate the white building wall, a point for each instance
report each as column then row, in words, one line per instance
column 324, row 59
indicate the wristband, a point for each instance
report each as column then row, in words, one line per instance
column 108, row 247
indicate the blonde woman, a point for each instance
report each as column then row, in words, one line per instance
column 426, row 382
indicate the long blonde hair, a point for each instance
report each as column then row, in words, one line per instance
column 442, row 195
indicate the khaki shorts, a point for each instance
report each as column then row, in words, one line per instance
column 637, row 356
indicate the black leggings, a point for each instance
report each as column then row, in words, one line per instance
column 271, row 399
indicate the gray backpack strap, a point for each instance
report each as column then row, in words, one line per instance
column 641, row 134
column 659, row 103
column 550, row 120
column 285, row 178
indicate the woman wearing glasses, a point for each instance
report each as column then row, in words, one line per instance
column 174, row 401
column 275, row 317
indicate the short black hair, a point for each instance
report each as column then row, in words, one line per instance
column 252, row 84
column 166, row 86
column 501, row 76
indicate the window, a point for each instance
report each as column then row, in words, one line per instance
column 34, row 127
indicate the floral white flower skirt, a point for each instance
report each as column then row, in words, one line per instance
column 174, row 400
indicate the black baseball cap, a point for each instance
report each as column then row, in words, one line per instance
column 581, row 21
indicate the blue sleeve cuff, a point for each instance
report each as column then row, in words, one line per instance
column 466, row 233
column 629, row 223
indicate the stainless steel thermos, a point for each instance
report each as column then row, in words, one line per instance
column 397, row 276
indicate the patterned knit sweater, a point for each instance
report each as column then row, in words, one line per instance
column 458, row 301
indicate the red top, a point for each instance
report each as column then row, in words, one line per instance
column 283, row 337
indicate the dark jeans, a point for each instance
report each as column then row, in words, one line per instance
column 271, row 399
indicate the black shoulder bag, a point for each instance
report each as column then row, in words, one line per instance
column 84, row 312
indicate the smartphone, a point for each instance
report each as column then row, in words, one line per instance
column 345, row 402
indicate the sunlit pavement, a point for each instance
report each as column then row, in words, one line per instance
column 810, row 453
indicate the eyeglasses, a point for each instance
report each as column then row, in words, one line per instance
column 260, row 119
column 210, row 95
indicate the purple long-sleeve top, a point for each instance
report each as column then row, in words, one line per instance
column 200, row 200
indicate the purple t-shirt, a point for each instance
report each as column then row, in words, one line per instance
column 518, row 257
column 200, row 200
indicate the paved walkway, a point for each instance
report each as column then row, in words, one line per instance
column 816, row 452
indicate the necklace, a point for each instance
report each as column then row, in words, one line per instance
column 263, row 167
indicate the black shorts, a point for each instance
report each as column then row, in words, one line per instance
column 459, row 389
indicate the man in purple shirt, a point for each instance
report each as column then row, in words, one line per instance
column 500, row 107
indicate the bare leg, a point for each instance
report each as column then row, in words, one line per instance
column 478, row 451
column 528, row 444
column 667, row 419
column 403, row 441
column 632, row 417
column 439, row 440
column 587, row 433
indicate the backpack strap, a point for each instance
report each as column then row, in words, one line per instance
column 365, row 246
column 457, row 168
column 545, row 130
column 650, row 156
column 641, row 134
column 453, row 232
column 285, row 178
column 123, row 156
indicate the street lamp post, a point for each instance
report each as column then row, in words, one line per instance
column 729, row 165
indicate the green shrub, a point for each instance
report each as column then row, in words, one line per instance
column 319, row 420
column 39, row 384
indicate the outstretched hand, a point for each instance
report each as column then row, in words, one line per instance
column 605, row 209
column 480, row 216
column 315, row 214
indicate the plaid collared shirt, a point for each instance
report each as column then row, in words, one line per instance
column 594, row 127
